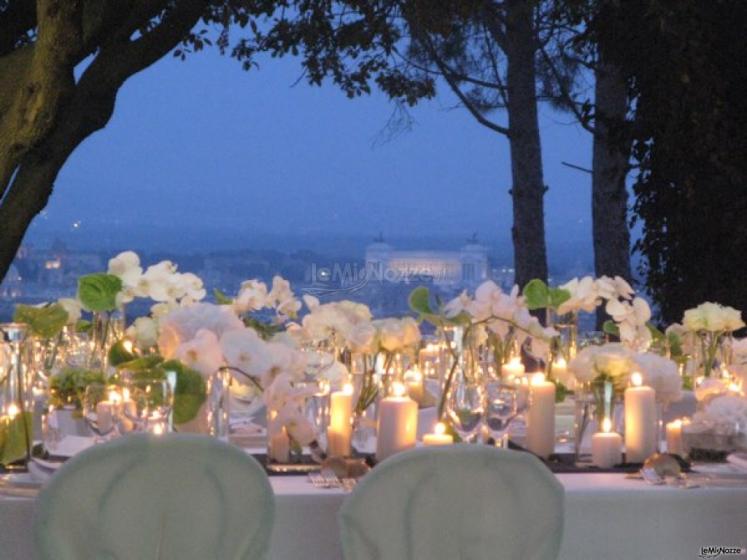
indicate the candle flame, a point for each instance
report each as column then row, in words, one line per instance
column 12, row 410
column 606, row 425
column 734, row 388
column 347, row 388
column 114, row 397
column 158, row 429
column 413, row 375
column 440, row 428
column 515, row 361
column 126, row 394
column 677, row 423
column 538, row 379
column 636, row 379
column 127, row 345
column 560, row 362
column 398, row 389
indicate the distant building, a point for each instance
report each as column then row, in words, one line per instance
column 466, row 267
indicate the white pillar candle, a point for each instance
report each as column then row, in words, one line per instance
column 513, row 368
column 279, row 446
column 414, row 384
column 541, row 416
column 606, row 447
column 340, row 429
column 397, row 425
column 438, row 437
column 640, row 421
column 104, row 416
column 674, row 438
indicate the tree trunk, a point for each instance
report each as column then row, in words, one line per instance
column 609, row 169
column 528, row 232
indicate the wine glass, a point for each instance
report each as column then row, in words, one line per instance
column 501, row 409
column 465, row 408
column 101, row 407
column 148, row 403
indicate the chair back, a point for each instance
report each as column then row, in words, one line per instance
column 171, row 497
column 464, row 502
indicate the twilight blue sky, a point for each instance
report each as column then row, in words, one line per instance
column 202, row 145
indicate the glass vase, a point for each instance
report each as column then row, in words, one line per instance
column 106, row 328
column 567, row 340
column 16, row 398
column 464, row 403
column 594, row 402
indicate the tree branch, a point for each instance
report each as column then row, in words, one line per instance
column 459, row 93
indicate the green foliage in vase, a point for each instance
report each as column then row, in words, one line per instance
column 538, row 295
column 190, row 391
column 15, row 437
column 68, row 387
column 45, row 322
column 98, row 292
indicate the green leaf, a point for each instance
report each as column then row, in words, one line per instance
column 419, row 301
column 44, row 322
column 611, row 328
column 656, row 335
column 536, row 294
column 221, row 298
column 13, row 438
column 190, row 391
column 67, row 387
column 675, row 345
column 83, row 326
column 141, row 364
column 98, row 292
column 558, row 296
column 120, row 354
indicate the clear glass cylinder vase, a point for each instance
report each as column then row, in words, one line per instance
column 16, row 397
column 595, row 402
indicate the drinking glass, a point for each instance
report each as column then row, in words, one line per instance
column 501, row 409
column 147, row 404
column 465, row 408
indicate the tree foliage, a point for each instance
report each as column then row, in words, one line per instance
column 684, row 62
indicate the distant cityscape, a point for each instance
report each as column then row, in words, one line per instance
column 382, row 277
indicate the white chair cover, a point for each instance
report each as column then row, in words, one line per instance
column 175, row 497
column 461, row 502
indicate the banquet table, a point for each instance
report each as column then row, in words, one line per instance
column 607, row 517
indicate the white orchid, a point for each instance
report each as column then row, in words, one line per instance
column 126, row 267
column 282, row 299
column 202, row 353
column 632, row 319
column 613, row 288
column 458, row 305
column 584, row 296
column 252, row 296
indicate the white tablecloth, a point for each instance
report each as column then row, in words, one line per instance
column 607, row 518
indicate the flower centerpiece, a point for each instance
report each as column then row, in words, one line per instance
column 712, row 324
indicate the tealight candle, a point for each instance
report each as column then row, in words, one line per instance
column 438, row 437
column 675, row 444
column 513, row 368
column 397, row 424
column 606, row 447
column 541, row 416
column 560, row 370
column 340, row 430
column 640, row 421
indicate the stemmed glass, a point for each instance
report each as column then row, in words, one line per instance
column 101, row 408
column 501, row 409
column 148, row 404
column 465, row 407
